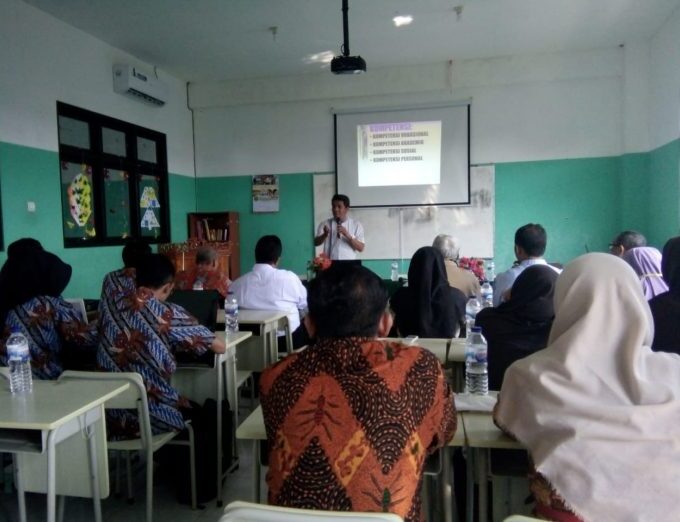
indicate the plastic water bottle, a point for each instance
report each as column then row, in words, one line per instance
column 487, row 294
column 394, row 272
column 230, row 313
column 476, row 370
column 471, row 308
column 19, row 358
column 491, row 271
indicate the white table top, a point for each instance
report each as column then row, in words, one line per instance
column 481, row 432
column 232, row 339
column 249, row 316
column 53, row 403
column 253, row 429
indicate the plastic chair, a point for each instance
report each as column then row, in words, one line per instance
column 520, row 518
column 248, row 512
column 135, row 398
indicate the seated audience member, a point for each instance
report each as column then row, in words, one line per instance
column 463, row 280
column 625, row 241
column 352, row 418
column 597, row 409
column 530, row 242
column 268, row 287
column 646, row 261
column 31, row 283
column 666, row 307
column 142, row 333
column 428, row 306
column 519, row 326
column 123, row 280
column 206, row 274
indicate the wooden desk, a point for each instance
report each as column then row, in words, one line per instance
column 53, row 412
column 225, row 377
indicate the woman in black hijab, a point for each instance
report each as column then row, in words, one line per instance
column 666, row 307
column 519, row 326
column 428, row 306
column 31, row 283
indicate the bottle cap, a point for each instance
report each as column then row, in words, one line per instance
column 15, row 329
column 476, row 329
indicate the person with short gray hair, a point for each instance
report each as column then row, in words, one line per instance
column 459, row 278
column 625, row 241
column 206, row 275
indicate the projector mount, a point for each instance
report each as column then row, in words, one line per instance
column 344, row 63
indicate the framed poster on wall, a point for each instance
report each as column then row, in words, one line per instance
column 266, row 193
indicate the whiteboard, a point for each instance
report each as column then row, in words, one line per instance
column 396, row 233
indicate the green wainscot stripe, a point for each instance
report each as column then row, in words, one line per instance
column 294, row 223
column 664, row 193
column 30, row 174
column 576, row 200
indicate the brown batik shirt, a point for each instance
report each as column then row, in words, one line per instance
column 349, row 424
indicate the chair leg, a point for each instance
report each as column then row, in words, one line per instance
column 128, row 466
column 117, row 493
column 252, row 393
column 61, row 506
column 192, row 466
column 149, row 486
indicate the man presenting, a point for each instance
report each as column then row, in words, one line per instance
column 342, row 237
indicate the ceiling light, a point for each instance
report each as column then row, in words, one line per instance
column 402, row 20
column 322, row 57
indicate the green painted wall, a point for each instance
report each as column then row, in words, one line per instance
column 29, row 174
column 293, row 223
column 576, row 200
column 664, row 192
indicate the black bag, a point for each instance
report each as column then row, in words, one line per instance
column 175, row 459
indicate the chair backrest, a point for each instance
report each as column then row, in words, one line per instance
column 202, row 304
column 247, row 512
column 520, row 518
column 79, row 305
column 134, row 398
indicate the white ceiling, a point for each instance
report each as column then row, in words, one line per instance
column 213, row 40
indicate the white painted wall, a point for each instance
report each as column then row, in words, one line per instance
column 665, row 83
column 43, row 60
column 551, row 106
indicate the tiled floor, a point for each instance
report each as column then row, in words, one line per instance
column 166, row 508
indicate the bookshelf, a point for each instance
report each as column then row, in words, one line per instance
column 219, row 230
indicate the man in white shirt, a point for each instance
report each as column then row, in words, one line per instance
column 267, row 287
column 342, row 237
column 530, row 242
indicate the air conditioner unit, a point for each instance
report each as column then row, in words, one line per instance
column 130, row 80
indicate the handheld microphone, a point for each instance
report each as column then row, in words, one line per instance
column 338, row 222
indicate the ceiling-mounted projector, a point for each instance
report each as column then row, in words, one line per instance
column 344, row 63
column 348, row 65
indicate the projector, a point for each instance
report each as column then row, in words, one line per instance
column 348, row 65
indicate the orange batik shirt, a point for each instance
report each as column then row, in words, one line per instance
column 350, row 422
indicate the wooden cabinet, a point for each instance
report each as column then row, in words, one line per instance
column 219, row 230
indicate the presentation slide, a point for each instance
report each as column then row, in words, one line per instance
column 401, row 153
column 401, row 157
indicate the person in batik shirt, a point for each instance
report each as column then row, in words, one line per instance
column 351, row 419
column 206, row 272
column 31, row 283
column 122, row 281
column 140, row 332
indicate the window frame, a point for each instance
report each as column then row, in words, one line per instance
column 98, row 160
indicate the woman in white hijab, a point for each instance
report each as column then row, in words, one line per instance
column 599, row 411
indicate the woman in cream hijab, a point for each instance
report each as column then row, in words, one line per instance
column 599, row 411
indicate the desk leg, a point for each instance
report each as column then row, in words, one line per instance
column 220, row 400
column 92, row 449
column 469, row 485
column 21, row 500
column 483, row 478
column 256, row 471
column 446, row 481
column 51, row 474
